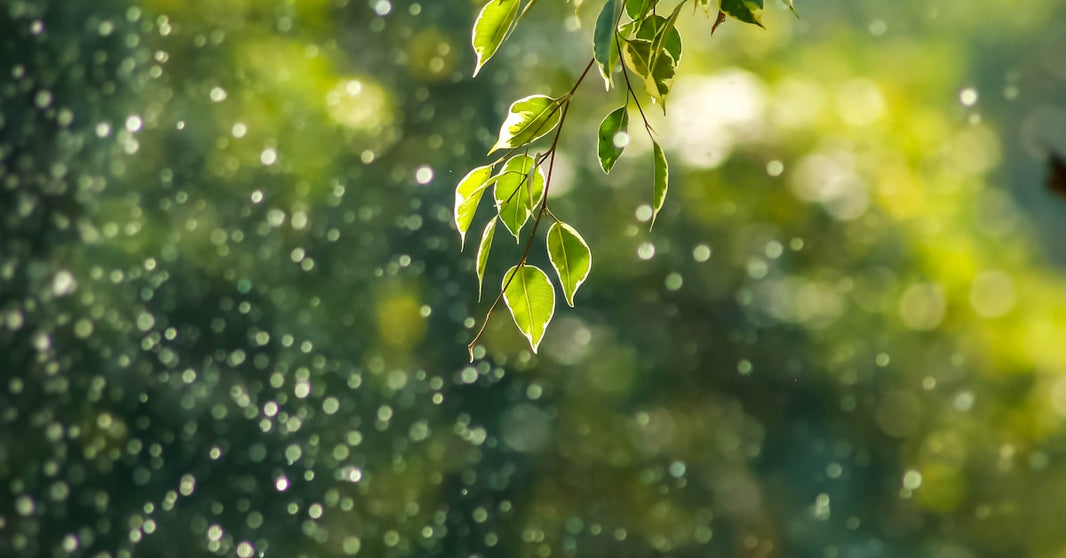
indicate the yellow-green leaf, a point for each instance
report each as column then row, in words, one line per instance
column 603, row 40
column 662, row 179
column 657, row 79
column 490, row 29
column 570, row 256
column 518, row 187
column 612, row 138
column 528, row 119
column 483, row 248
column 529, row 295
column 467, row 196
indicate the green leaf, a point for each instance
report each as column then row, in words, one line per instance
column 662, row 178
column 529, row 295
column 667, row 37
column 748, row 11
column 658, row 79
column 637, row 8
column 663, row 34
column 570, row 256
column 603, row 42
column 483, row 248
column 519, row 186
column 610, row 148
column 528, row 119
column 490, row 29
column 467, row 196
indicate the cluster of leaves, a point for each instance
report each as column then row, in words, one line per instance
column 630, row 36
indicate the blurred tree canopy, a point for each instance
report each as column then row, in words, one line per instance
column 233, row 312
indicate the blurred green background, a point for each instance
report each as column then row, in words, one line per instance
column 233, row 310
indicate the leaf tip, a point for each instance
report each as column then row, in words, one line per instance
column 718, row 21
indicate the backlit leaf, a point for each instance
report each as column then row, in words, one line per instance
column 612, row 138
column 603, row 42
column 637, row 8
column 528, row 119
column 518, row 187
column 490, row 29
column 570, row 256
column 483, row 248
column 662, row 32
column 662, row 179
column 467, row 196
column 530, row 297
column 748, row 11
column 667, row 37
column 657, row 80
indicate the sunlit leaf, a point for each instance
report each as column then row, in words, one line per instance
column 662, row 179
column 612, row 137
column 483, row 248
column 467, row 196
column 662, row 32
column 637, row 55
column 528, row 119
column 519, row 185
column 667, row 37
column 748, row 11
column 637, row 8
column 603, row 43
column 570, row 256
column 657, row 80
column 490, row 29
column 530, row 297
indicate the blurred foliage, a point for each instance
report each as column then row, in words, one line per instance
column 232, row 316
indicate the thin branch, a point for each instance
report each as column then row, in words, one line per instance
column 631, row 93
column 550, row 154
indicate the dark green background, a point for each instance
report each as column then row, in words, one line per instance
column 237, row 341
